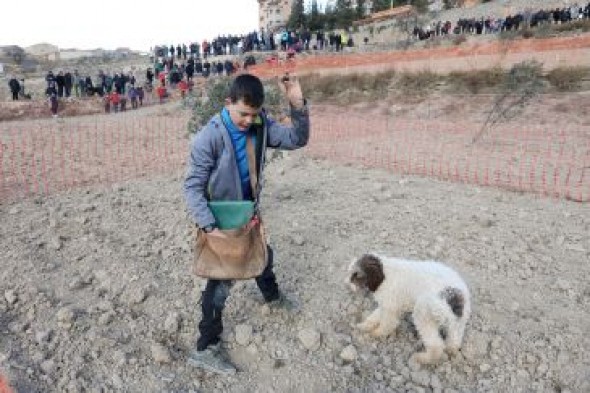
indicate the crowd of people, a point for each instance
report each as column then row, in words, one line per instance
column 513, row 22
column 174, row 67
column 285, row 40
column 115, row 90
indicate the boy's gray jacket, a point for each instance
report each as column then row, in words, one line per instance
column 212, row 168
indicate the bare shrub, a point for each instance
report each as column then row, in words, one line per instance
column 583, row 25
column 477, row 80
column 459, row 39
column 417, row 83
column 520, row 86
column 508, row 35
column 353, row 87
column 320, row 86
column 527, row 33
column 567, row 78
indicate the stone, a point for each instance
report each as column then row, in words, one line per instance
column 65, row 316
column 43, row 336
column 172, row 323
column 421, row 378
column 349, row 354
column 48, row 367
column 10, row 296
column 160, row 354
column 310, row 338
column 243, row 334
column 298, row 240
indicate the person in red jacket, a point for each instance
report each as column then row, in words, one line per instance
column 161, row 92
column 115, row 98
column 183, row 87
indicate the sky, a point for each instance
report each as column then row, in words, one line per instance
column 111, row 24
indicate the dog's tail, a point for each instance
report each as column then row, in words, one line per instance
column 455, row 299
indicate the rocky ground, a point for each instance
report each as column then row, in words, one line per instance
column 97, row 294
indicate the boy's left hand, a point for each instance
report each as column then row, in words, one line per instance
column 291, row 88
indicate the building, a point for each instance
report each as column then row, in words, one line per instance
column 273, row 14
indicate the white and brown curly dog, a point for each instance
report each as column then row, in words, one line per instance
column 435, row 294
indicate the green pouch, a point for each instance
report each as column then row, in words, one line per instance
column 231, row 214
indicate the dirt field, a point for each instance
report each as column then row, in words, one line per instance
column 96, row 293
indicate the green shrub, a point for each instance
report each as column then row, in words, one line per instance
column 524, row 76
column 212, row 101
column 217, row 90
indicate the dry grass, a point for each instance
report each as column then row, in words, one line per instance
column 417, row 83
column 354, row 88
column 583, row 25
column 546, row 30
column 350, row 88
column 568, row 78
column 476, row 81
column 459, row 39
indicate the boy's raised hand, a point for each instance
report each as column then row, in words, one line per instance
column 289, row 85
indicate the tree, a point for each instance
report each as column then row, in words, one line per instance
column 330, row 17
column 297, row 17
column 315, row 20
column 449, row 4
column 360, row 9
column 380, row 5
column 421, row 5
column 345, row 13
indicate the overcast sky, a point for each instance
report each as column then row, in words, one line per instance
column 110, row 24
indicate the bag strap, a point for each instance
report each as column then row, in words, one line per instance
column 261, row 138
column 252, row 166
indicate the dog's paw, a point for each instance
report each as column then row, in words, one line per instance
column 452, row 351
column 423, row 358
column 366, row 326
column 379, row 332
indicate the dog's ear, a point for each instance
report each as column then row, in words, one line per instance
column 359, row 278
column 372, row 271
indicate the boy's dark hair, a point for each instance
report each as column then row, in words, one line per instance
column 248, row 88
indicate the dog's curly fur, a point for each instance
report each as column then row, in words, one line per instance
column 435, row 294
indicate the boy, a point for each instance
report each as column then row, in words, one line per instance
column 51, row 93
column 140, row 95
column 161, row 92
column 183, row 87
column 115, row 98
column 106, row 100
column 218, row 170
column 133, row 96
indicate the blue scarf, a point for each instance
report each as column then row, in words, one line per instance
column 238, row 139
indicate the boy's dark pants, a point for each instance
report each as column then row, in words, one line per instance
column 213, row 301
